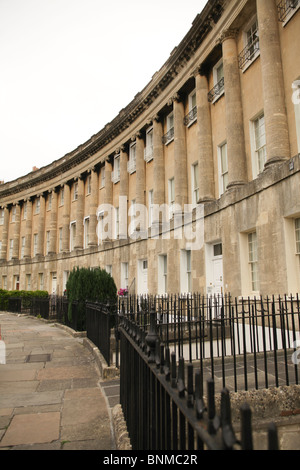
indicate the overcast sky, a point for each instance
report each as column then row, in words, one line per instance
column 69, row 66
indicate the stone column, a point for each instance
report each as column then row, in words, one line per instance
column 16, row 234
column 158, row 177
column 3, row 253
column 123, row 206
column 93, row 208
column 28, row 230
column 41, row 226
column 79, row 215
column 53, row 223
column 66, row 219
column 180, row 157
column 237, row 169
column 140, row 170
column 277, row 135
column 108, row 192
column 158, row 163
column 205, row 147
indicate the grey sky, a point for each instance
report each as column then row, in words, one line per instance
column 69, row 66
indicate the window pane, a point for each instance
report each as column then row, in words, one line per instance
column 297, row 227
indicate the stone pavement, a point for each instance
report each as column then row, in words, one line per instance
column 51, row 393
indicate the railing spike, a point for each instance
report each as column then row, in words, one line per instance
column 199, row 402
column 228, row 435
column 246, row 428
column 273, row 437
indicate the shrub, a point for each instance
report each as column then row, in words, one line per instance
column 26, row 295
column 85, row 284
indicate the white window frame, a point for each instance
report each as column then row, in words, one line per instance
column 41, row 281
column 28, row 281
column 75, row 191
column 88, row 185
column 170, row 128
column 124, row 275
column 11, row 248
column 115, row 174
column 117, row 222
column 102, row 179
column 162, row 274
column 108, row 269
column 217, row 78
column 62, row 196
column 35, row 243
column 131, row 164
column 4, row 282
column 13, row 214
column 47, row 242
column 185, row 271
column 150, row 207
column 49, row 201
column 72, row 234
column 171, row 196
column 1, row 216
column 100, row 229
column 192, row 106
column 37, row 205
column 195, row 183
column 253, row 261
column 251, row 40
column 148, row 151
column 223, row 171
column 86, row 223
column 257, row 148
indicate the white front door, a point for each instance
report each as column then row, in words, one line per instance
column 54, row 284
column 142, row 277
column 214, row 269
column 217, row 284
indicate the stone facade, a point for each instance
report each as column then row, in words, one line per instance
column 214, row 136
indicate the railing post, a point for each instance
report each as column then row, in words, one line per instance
column 151, row 338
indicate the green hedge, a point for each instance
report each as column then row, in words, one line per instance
column 85, row 284
column 25, row 294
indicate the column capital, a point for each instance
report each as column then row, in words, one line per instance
column 156, row 118
column 228, row 34
column 136, row 136
column 175, row 98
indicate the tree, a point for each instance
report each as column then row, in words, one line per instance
column 85, row 284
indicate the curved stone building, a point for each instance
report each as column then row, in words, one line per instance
column 194, row 186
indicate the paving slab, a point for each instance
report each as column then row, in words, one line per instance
column 51, row 397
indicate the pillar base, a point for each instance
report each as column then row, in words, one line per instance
column 274, row 161
column 235, row 185
column 204, row 199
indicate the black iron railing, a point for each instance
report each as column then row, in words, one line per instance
column 168, row 136
column 190, row 117
column 216, row 91
column 163, row 410
column 286, row 7
column 100, row 319
column 244, row 343
column 248, row 53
